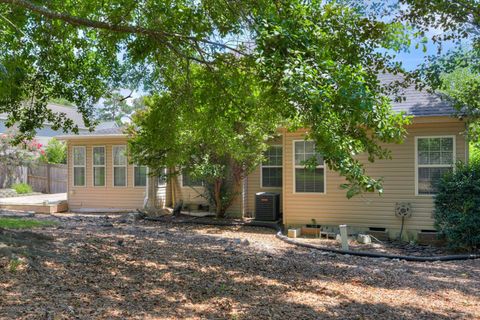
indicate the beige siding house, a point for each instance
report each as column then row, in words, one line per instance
column 101, row 179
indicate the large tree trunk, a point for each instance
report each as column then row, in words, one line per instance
column 151, row 203
column 219, row 210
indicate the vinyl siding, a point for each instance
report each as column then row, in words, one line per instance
column 105, row 197
column 254, row 181
column 370, row 210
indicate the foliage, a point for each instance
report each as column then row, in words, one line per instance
column 13, row 155
column 474, row 153
column 54, row 152
column 15, row 223
column 320, row 59
column 457, row 207
column 22, row 188
column 219, row 139
column 114, row 107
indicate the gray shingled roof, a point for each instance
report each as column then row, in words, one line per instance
column 70, row 112
column 117, row 130
column 418, row 103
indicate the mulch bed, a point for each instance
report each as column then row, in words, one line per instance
column 119, row 268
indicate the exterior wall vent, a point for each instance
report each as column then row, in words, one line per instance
column 267, row 206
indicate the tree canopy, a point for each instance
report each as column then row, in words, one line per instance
column 319, row 59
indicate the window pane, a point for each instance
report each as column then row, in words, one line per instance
column 309, row 147
column 423, row 144
column 447, row 144
column 140, row 174
column 307, row 180
column 434, row 144
column 423, row 158
column 79, row 176
column 119, row 155
column 99, row 176
column 435, row 157
column 78, row 156
column 99, row 156
column 272, row 177
column 428, row 179
column 447, row 158
column 273, row 156
column 435, row 151
column 119, row 176
column 304, row 151
column 189, row 181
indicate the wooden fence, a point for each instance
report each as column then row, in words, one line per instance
column 10, row 176
column 48, row 178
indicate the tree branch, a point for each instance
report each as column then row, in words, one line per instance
column 118, row 28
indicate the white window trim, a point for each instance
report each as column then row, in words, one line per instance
column 119, row 166
column 270, row 166
column 454, row 150
column 79, row 166
column 184, row 186
column 146, row 173
column 99, row 166
column 295, row 166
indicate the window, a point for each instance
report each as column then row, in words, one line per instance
column 188, row 181
column 119, row 154
column 140, row 176
column 79, row 166
column 435, row 157
column 98, row 166
column 308, row 179
column 272, row 168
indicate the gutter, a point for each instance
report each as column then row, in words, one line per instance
column 91, row 136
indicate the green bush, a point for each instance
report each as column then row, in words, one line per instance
column 457, row 207
column 22, row 188
column 55, row 152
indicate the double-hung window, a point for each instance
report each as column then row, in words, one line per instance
column 140, row 176
column 272, row 168
column 79, row 163
column 98, row 166
column 435, row 157
column 309, row 175
column 119, row 154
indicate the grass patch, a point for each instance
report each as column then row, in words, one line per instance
column 22, row 188
column 15, row 223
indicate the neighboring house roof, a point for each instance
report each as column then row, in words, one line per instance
column 106, row 125
column 109, row 132
column 418, row 103
column 70, row 112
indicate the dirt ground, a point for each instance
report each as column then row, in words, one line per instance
column 114, row 268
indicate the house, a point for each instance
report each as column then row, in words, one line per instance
column 100, row 177
column 46, row 133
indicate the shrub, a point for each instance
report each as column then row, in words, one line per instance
column 55, row 152
column 22, row 188
column 457, row 207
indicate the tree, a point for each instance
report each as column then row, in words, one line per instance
column 219, row 139
column 54, row 152
column 114, row 107
column 14, row 155
column 321, row 58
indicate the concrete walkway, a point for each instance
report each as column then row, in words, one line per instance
column 34, row 199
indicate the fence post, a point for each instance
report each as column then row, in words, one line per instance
column 48, row 178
